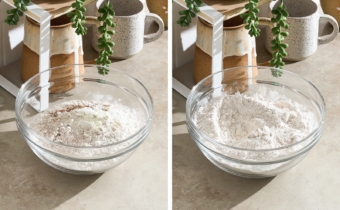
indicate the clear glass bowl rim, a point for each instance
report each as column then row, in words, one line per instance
column 20, row 120
column 191, row 123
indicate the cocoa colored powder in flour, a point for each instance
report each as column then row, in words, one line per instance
column 85, row 123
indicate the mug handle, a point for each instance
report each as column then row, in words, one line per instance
column 327, row 38
column 155, row 36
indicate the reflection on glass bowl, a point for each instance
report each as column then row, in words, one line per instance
column 66, row 83
column 248, row 162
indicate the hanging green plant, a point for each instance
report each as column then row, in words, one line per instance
column 18, row 11
column 186, row 15
column 278, row 46
column 104, row 43
column 78, row 18
column 251, row 20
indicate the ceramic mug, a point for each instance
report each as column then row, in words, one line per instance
column 303, row 21
column 130, row 23
column 238, row 49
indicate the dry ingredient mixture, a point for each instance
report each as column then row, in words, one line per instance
column 85, row 123
column 252, row 121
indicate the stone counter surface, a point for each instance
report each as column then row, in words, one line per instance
column 312, row 184
column 139, row 183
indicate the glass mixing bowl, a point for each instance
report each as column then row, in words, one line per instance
column 81, row 82
column 245, row 162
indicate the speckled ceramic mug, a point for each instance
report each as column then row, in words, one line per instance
column 130, row 25
column 303, row 20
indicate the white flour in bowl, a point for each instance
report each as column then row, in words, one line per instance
column 85, row 123
column 254, row 122
column 91, row 125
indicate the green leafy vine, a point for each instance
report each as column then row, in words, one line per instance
column 77, row 17
column 104, row 42
column 250, row 18
column 18, row 11
column 278, row 45
column 186, row 15
column 252, row 21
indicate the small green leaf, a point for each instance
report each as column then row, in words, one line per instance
column 283, row 45
column 190, row 6
column 70, row 14
column 274, row 48
column 284, row 33
column 182, row 12
column 244, row 15
column 193, row 15
column 272, row 62
column 16, row 17
column 17, row 5
column 286, row 26
column 11, row 11
column 20, row 13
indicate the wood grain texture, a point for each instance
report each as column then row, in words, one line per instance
column 229, row 8
column 55, row 7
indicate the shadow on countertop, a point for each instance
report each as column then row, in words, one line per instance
column 27, row 182
column 7, row 102
column 198, row 184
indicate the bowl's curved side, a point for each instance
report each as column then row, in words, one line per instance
column 224, row 156
column 117, row 87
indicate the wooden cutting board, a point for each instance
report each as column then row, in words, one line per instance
column 55, row 7
column 229, row 8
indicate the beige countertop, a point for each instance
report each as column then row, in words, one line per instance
column 139, row 183
column 312, row 184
